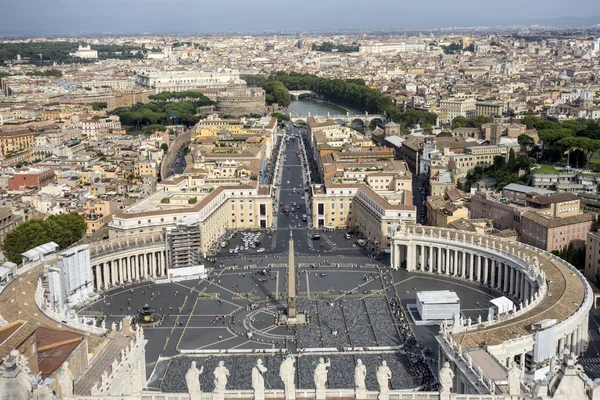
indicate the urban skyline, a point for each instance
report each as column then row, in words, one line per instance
column 183, row 16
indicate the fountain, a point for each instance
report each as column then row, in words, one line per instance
column 146, row 316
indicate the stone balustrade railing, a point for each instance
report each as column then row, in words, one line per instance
column 120, row 369
column 72, row 322
column 119, row 244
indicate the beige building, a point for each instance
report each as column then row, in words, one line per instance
column 225, row 208
column 592, row 255
column 358, row 206
column 453, row 108
column 489, row 109
column 443, row 212
column 552, row 233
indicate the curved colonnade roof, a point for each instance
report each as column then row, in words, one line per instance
column 17, row 303
column 566, row 293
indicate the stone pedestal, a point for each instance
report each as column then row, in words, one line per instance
column 218, row 396
column 259, row 394
column 360, row 394
column 320, row 394
column 384, row 395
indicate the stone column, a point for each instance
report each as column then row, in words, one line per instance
column 486, row 262
column 446, row 261
column 463, row 264
column 439, row 259
column 479, row 262
column 422, row 257
column 513, row 278
column 430, row 257
column 410, row 257
column 115, row 274
column 106, row 271
column 98, row 279
column 145, row 265
column 505, row 287
column 153, row 264
column 471, row 265
column 493, row 274
column 133, row 268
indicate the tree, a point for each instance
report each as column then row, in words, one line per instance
column 512, row 161
column 427, row 129
column 164, row 147
column 459, row 122
column 444, row 134
column 525, row 142
column 64, row 230
column 499, row 162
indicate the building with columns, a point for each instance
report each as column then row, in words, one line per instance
column 533, row 336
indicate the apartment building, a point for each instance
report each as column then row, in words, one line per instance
column 454, row 107
column 592, row 256
column 15, row 141
column 359, row 206
column 545, row 219
column 224, row 208
column 489, row 108
column 31, row 177
column 442, row 211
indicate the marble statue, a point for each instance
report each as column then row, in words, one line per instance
column 287, row 373
column 469, row 321
column 113, row 327
column 192, row 379
column 360, row 373
column 446, row 378
column 221, row 373
column 65, row 380
column 320, row 375
column 479, row 319
column 258, row 380
column 514, row 380
column 384, row 374
column 492, row 387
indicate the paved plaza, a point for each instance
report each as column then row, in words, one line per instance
column 352, row 300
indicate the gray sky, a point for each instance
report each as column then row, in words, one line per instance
column 201, row 16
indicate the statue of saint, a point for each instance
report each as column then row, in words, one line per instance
column 446, row 377
column 384, row 374
column 258, row 379
column 221, row 374
column 192, row 379
column 514, row 380
column 320, row 375
column 287, row 373
column 65, row 380
column 360, row 373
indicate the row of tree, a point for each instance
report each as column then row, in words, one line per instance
column 476, row 122
column 577, row 139
column 141, row 115
column 505, row 172
column 40, row 53
column 63, row 230
column 330, row 46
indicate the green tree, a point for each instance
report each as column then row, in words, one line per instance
column 512, row 161
column 164, row 147
column 64, row 230
column 444, row 134
column 459, row 122
column 525, row 142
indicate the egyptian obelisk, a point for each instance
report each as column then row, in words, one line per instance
column 291, row 281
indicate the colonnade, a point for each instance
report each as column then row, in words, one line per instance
column 126, row 268
column 469, row 264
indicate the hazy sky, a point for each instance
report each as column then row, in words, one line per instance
column 251, row 15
